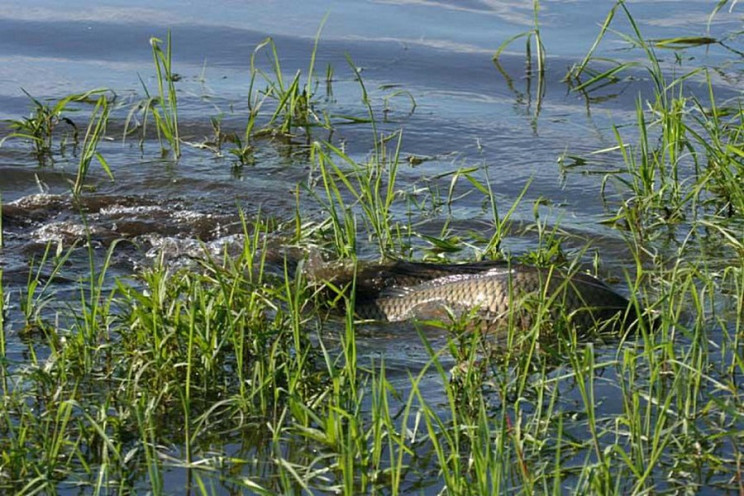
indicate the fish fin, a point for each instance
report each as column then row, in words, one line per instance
column 408, row 273
column 397, row 292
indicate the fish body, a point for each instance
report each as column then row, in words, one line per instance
column 494, row 292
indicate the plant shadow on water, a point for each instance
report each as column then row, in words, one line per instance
column 157, row 345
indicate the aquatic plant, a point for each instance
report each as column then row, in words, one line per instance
column 294, row 102
column 163, row 107
column 232, row 374
column 166, row 113
column 95, row 131
column 679, row 135
column 42, row 125
column 372, row 187
column 540, row 61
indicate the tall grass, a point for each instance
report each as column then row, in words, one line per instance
column 166, row 111
column 3, row 339
column 163, row 106
column 93, row 134
column 539, row 60
column 672, row 188
column 201, row 357
column 294, row 102
column 685, row 150
column 42, row 126
column 233, row 374
column 372, row 190
column 529, row 35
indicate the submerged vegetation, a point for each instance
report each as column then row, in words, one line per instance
column 232, row 374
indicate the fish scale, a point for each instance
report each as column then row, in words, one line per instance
column 492, row 294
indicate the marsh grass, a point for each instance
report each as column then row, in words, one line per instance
column 233, row 373
column 288, row 106
column 41, row 276
column 3, row 339
column 164, row 108
column 597, row 79
column 673, row 183
column 529, row 35
column 42, row 126
column 687, row 145
column 539, row 61
column 180, row 356
column 372, row 187
column 95, row 131
column 277, row 110
column 41, row 129
column 295, row 102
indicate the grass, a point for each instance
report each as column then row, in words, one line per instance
column 42, row 125
column 93, row 135
column 539, row 61
column 164, row 106
column 233, row 375
column 3, row 340
column 686, row 146
column 41, row 129
column 372, row 187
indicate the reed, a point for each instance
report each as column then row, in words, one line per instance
column 166, row 113
column 294, row 102
column 540, row 59
column 234, row 374
column 42, row 126
column 95, row 131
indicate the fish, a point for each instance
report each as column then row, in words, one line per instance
column 493, row 292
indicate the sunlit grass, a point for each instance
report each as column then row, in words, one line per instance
column 164, row 107
column 540, row 60
column 42, row 127
column 237, row 374
column 229, row 348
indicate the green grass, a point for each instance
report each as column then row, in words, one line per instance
column 540, row 57
column 686, row 148
column 51, row 124
column 235, row 375
column 41, row 129
column 164, row 106
column 93, row 134
column 192, row 357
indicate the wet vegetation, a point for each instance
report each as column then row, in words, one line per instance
column 232, row 374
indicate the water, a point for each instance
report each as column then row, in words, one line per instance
column 467, row 115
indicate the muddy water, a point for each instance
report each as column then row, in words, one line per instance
column 467, row 115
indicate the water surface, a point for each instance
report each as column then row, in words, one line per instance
column 467, row 115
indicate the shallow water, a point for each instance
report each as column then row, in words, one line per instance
column 467, row 115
